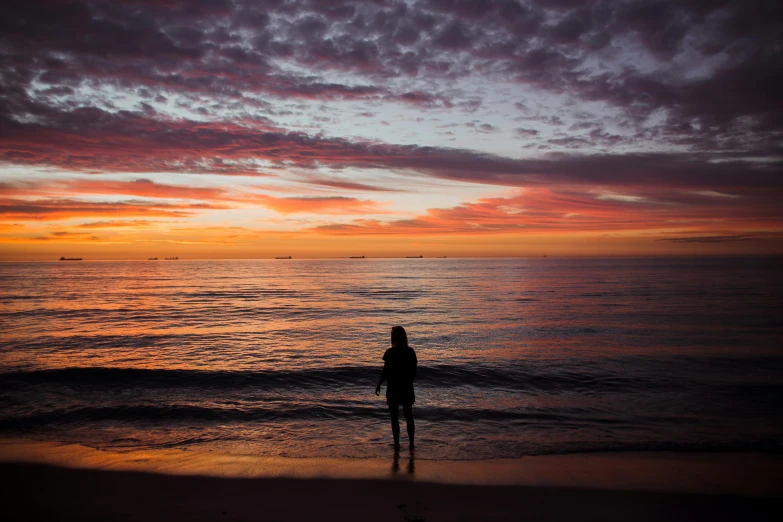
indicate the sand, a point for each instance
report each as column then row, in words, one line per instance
column 47, row 481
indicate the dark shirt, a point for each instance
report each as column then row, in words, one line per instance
column 400, row 368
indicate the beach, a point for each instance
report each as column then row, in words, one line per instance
column 238, row 236
column 50, row 481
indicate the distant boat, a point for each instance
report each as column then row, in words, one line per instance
column 441, row 257
column 414, row 257
column 284, row 257
column 70, row 259
column 175, row 258
column 356, row 257
column 152, row 259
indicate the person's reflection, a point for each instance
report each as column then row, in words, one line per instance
column 410, row 469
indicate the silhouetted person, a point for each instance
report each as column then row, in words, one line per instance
column 400, row 369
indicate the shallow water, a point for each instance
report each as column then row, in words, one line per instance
column 280, row 357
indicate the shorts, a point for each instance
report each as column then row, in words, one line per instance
column 400, row 398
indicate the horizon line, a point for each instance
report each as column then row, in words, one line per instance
column 542, row 256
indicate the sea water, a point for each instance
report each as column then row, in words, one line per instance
column 281, row 357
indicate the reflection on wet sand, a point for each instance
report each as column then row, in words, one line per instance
column 411, row 467
column 753, row 474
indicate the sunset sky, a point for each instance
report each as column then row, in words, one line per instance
column 235, row 129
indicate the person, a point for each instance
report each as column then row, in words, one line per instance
column 400, row 369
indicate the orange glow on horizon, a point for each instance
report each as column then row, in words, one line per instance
column 564, row 221
column 243, row 244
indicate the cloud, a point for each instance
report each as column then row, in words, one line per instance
column 134, row 223
column 343, row 184
column 58, row 209
column 66, row 236
column 706, row 71
column 86, row 140
column 713, row 63
column 140, row 187
column 525, row 133
column 714, row 194
column 552, row 211
column 11, row 227
column 484, row 128
column 625, row 198
column 317, row 205
column 185, row 50
column 714, row 239
column 216, row 198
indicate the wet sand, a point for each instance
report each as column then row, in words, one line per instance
column 46, row 481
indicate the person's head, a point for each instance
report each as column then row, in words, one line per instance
column 399, row 339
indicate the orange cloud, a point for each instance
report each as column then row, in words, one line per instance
column 135, row 223
column 545, row 210
column 151, row 189
column 316, row 205
column 10, row 227
column 65, row 236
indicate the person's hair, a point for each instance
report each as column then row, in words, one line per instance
column 398, row 337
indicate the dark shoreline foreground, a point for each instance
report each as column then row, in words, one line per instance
column 43, row 492
column 61, row 482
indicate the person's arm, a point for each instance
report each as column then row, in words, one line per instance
column 380, row 381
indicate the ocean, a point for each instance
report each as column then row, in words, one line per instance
column 281, row 357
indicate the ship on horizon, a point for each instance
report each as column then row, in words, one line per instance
column 283, row 257
column 414, row 257
column 355, row 257
column 70, row 258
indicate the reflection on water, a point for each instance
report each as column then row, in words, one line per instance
column 516, row 356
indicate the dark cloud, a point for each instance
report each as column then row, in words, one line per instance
column 713, row 239
column 139, row 187
column 560, row 46
column 422, row 99
column 346, row 185
column 484, row 128
column 180, row 47
column 86, row 140
column 58, row 209
column 454, row 37
column 525, row 133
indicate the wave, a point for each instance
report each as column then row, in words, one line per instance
column 428, row 376
column 584, row 377
column 275, row 412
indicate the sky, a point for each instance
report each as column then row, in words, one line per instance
column 132, row 129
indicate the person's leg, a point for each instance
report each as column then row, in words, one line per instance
column 407, row 410
column 394, row 409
